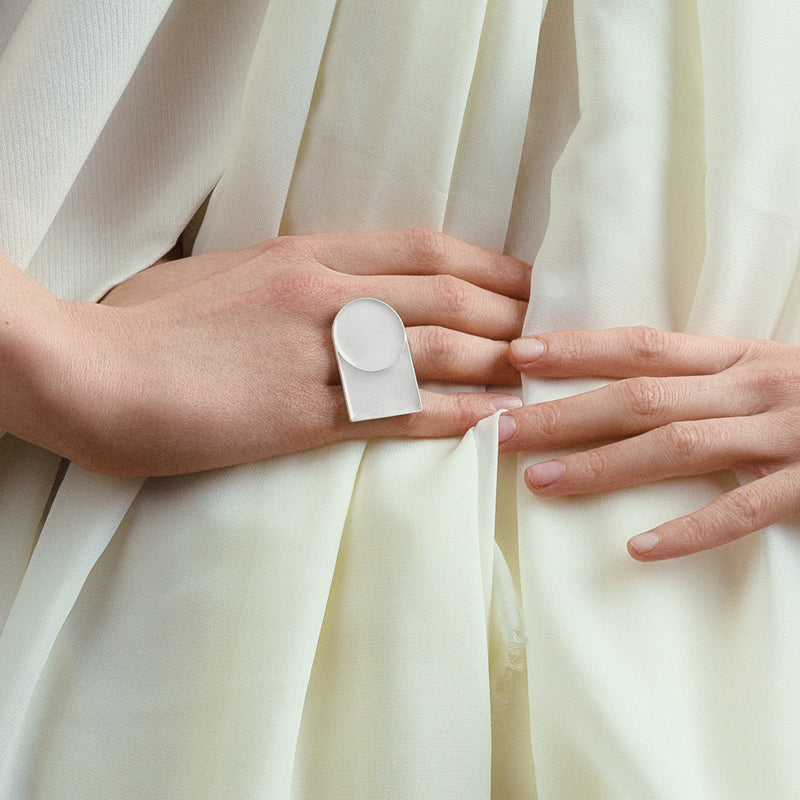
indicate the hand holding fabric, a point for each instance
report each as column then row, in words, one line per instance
column 225, row 358
column 686, row 405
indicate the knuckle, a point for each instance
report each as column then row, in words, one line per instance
column 778, row 379
column 412, row 424
column 596, row 464
column 756, row 350
column 439, row 347
column 430, row 248
column 302, row 287
column 550, row 422
column 644, row 397
column 683, row 441
column 447, row 415
column 650, row 344
column 469, row 409
column 746, row 508
column 784, row 430
column 692, row 532
column 452, row 294
column 293, row 248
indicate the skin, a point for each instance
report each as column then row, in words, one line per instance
column 226, row 358
column 683, row 405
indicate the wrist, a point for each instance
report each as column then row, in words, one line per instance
column 44, row 357
column 31, row 357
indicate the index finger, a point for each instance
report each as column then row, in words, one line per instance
column 625, row 353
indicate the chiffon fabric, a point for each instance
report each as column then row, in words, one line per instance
column 348, row 622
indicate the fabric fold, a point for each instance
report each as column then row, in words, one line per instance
column 247, row 204
column 55, row 102
column 140, row 184
column 80, row 525
column 750, row 60
column 638, row 234
column 406, row 628
column 341, row 622
column 494, row 124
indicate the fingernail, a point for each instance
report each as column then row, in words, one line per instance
column 506, row 428
column 644, row 542
column 505, row 402
column 545, row 473
column 527, row 350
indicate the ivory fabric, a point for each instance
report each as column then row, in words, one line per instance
column 401, row 619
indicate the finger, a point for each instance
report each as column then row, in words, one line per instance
column 447, row 301
column 628, row 407
column 626, row 352
column 730, row 516
column 681, row 448
column 419, row 251
column 441, row 415
column 442, row 354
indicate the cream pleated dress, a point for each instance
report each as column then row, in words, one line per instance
column 401, row 619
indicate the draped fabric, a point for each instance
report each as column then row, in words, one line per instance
column 400, row 619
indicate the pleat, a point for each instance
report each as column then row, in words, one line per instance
column 487, row 162
column 398, row 704
column 185, row 662
column 71, row 541
column 622, row 158
column 160, row 152
column 248, row 203
column 750, row 67
column 381, row 148
column 116, row 196
column 26, row 479
column 749, row 287
column 55, row 102
column 636, row 668
column 80, row 245
column 56, row 95
column 382, row 137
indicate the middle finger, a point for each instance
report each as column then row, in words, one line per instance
column 448, row 302
column 625, row 408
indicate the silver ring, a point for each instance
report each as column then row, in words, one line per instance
column 374, row 360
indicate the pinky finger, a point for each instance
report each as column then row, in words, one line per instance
column 441, row 415
column 730, row 516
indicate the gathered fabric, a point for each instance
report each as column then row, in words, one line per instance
column 398, row 618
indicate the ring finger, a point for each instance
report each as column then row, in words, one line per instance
column 442, row 354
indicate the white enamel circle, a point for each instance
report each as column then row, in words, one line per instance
column 369, row 334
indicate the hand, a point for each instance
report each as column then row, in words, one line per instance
column 226, row 358
column 687, row 405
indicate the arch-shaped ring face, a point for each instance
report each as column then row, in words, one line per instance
column 369, row 334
